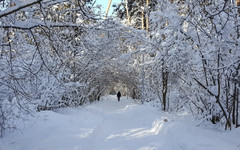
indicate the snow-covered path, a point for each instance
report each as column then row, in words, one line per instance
column 112, row 125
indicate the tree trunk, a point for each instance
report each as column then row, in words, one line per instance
column 164, row 86
column 234, row 104
column 147, row 13
column 237, row 107
column 109, row 4
column 238, row 2
column 126, row 7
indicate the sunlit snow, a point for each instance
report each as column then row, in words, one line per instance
column 113, row 125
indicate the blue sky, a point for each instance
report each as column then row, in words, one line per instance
column 104, row 4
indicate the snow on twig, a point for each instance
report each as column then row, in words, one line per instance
column 18, row 7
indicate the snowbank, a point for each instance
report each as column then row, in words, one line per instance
column 124, row 125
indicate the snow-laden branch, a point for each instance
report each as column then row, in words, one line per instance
column 4, row 44
column 18, row 7
column 42, row 25
column 33, row 23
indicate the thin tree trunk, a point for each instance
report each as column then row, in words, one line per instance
column 238, row 2
column 237, row 107
column 143, row 79
column 234, row 104
column 147, row 21
column 109, row 4
column 126, row 6
column 142, row 19
column 165, row 86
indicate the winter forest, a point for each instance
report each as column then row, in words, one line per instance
column 175, row 55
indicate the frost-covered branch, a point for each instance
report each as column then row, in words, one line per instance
column 42, row 25
column 18, row 7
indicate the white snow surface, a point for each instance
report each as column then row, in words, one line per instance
column 113, row 125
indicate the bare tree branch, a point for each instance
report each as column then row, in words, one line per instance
column 18, row 7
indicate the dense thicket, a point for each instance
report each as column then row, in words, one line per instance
column 192, row 57
column 61, row 54
column 198, row 58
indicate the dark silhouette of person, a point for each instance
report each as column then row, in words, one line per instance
column 118, row 95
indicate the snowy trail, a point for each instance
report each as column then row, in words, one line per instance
column 112, row 125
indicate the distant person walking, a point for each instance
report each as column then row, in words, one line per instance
column 118, row 96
